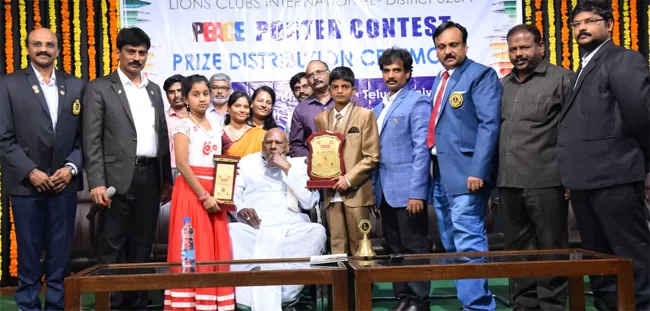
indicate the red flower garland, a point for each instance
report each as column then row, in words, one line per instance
column 37, row 15
column 9, row 41
column 65, row 33
column 616, row 15
column 90, row 21
column 539, row 17
column 566, row 53
column 113, row 29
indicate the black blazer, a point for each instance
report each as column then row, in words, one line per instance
column 604, row 131
column 27, row 139
column 110, row 138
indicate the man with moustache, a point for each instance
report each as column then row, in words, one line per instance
column 462, row 135
column 40, row 149
column 220, row 89
column 532, row 199
column 604, row 150
column 126, row 146
column 401, row 183
column 302, row 120
column 300, row 86
column 177, row 110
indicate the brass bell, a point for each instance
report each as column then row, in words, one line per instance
column 365, row 245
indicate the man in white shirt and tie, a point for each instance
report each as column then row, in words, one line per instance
column 270, row 189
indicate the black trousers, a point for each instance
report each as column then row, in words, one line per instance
column 126, row 230
column 406, row 234
column 613, row 220
column 535, row 219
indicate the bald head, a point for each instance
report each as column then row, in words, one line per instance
column 275, row 142
column 43, row 48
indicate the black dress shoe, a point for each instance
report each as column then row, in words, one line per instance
column 401, row 306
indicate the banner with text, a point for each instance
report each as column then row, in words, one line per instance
column 266, row 42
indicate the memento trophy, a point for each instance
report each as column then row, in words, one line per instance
column 225, row 172
column 325, row 159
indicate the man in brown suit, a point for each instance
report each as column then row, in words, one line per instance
column 350, row 200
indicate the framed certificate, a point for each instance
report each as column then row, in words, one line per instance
column 325, row 159
column 225, row 173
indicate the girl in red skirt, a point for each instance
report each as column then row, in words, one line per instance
column 196, row 140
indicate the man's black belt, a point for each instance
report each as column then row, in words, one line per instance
column 144, row 161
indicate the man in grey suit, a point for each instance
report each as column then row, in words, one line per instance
column 40, row 150
column 126, row 146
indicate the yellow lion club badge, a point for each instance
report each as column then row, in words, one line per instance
column 76, row 107
column 456, row 100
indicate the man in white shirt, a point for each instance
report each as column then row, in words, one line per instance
column 270, row 189
column 126, row 146
column 402, row 180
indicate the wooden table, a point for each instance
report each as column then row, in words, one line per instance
column 572, row 263
column 103, row 279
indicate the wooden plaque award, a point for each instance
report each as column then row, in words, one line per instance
column 225, row 172
column 325, row 159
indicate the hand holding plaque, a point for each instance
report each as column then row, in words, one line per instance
column 325, row 159
column 225, row 172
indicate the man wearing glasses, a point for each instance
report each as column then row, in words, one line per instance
column 220, row 91
column 40, row 149
column 604, row 147
column 302, row 121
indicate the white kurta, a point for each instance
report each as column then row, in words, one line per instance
column 283, row 233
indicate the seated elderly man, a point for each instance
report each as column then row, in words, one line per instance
column 269, row 190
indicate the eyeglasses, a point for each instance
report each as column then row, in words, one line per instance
column 38, row 44
column 587, row 22
column 221, row 88
column 318, row 73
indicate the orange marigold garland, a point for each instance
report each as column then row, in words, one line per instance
column 13, row 245
column 90, row 22
column 65, row 34
column 112, row 16
column 22, row 22
column 616, row 16
column 9, row 41
column 634, row 25
column 539, row 17
column 37, row 14
column 566, row 53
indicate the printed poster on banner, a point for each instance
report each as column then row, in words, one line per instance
column 266, row 42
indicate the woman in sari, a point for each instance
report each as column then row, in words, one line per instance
column 239, row 137
column 262, row 109
column 196, row 140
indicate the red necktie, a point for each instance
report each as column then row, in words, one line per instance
column 431, row 137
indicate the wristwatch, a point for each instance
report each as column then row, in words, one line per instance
column 72, row 169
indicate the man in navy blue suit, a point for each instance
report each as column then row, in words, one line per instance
column 40, row 149
column 463, row 134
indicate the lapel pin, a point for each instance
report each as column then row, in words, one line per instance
column 151, row 92
column 119, row 91
column 36, row 90
column 394, row 121
column 62, row 92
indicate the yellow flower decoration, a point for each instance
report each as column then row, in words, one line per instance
column 22, row 19
column 528, row 12
column 76, row 23
column 575, row 52
column 552, row 41
column 106, row 48
column 52, row 14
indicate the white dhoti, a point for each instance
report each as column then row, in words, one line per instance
column 279, row 241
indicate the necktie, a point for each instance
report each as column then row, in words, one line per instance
column 337, row 124
column 431, row 137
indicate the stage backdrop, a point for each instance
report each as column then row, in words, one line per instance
column 265, row 42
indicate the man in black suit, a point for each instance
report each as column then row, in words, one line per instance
column 603, row 141
column 40, row 149
column 126, row 146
